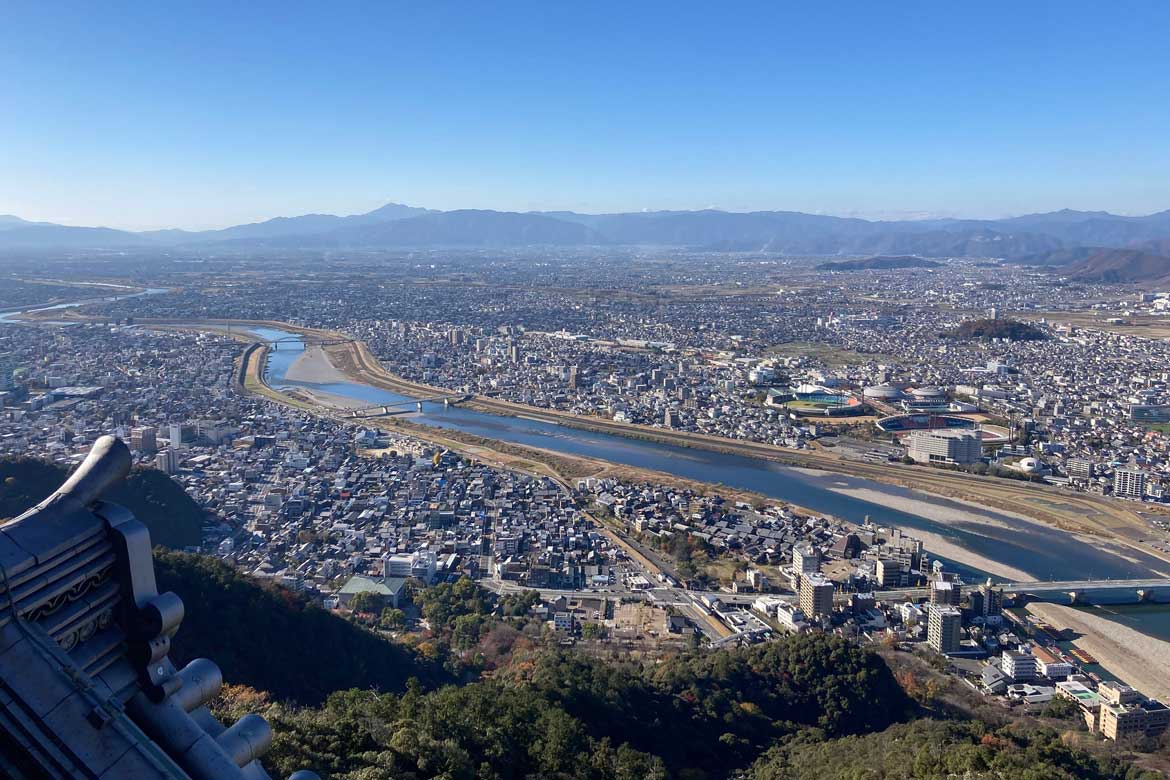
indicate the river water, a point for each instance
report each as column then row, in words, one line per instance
column 1045, row 553
column 11, row 316
column 1152, row 619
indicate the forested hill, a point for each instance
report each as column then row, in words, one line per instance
column 807, row 707
column 277, row 641
column 880, row 263
column 173, row 517
column 1012, row 330
column 933, row 750
column 565, row 714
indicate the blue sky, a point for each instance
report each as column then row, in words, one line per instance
column 205, row 114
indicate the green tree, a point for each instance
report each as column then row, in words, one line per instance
column 392, row 619
column 366, row 602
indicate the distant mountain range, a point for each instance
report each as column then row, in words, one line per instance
column 1121, row 266
column 395, row 226
column 1143, row 263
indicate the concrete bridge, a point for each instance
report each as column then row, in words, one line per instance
column 398, row 407
column 1096, row 591
column 1156, row 589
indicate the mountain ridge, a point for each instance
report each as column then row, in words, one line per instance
column 1122, row 266
column 398, row 226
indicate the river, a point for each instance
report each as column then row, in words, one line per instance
column 1043, row 552
column 12, row 316
column 1152, row 619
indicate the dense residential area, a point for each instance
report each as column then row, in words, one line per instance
column 472, row 569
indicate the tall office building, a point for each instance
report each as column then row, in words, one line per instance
column 816, row 595
column 943, row 631
column 1079, row 468
column 1129, row 483
column 891, row 572
column 167, row 461
column 144, row 440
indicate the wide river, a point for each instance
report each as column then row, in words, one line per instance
column 11, row 315
column 1043, row 552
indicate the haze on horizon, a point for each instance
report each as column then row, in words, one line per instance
column 140, row 117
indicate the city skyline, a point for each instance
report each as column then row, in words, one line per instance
column 861, row 111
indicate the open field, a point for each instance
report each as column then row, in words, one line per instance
column 1142, row 325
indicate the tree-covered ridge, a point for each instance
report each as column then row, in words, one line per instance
column 1012, row 330
column 939, row 750
column 564, row 714
column 277, row 641
column 173, row 517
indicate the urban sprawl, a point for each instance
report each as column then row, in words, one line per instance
column 1057, row 383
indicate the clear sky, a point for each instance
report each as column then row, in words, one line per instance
column 204, row 114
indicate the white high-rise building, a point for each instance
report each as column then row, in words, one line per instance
column 1129, row 483
column 167, row 461
column 1018, row 666
column 805, row 559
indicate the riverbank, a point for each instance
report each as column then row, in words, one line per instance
column 945, row 548
column 1075, row 512
column 1078, row 514
column 314, row 366
column 1133, row 657
column 971, row 520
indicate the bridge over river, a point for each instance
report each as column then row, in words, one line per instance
column 397, row 407
column 1067, row 592
column 299, row 341
column 1070, row 591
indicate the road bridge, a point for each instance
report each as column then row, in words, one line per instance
column 1087, row 591
column 308, row 341
column 396, row 407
